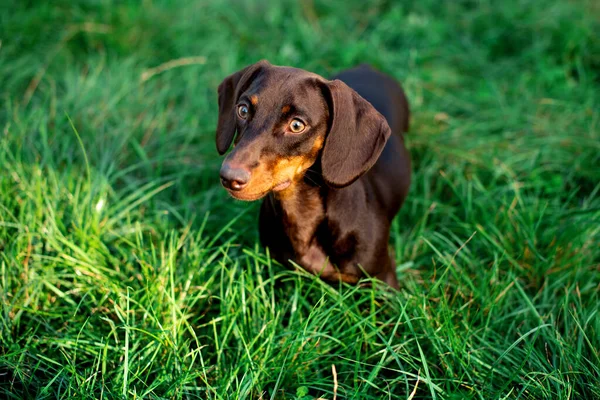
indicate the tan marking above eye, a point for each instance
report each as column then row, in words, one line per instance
column 254, row 99
column 285, row 109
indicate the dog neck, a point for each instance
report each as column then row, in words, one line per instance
column 302, row 210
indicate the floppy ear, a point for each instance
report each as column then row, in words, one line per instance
column 356, row 137
column 229, row 91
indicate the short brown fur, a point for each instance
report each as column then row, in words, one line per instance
column 331, row 190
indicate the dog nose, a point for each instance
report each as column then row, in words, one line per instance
column 234, row 178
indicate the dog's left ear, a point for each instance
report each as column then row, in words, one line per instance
column 356, row 136
column 229, row 91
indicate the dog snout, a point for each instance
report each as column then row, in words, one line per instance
column 234, row 177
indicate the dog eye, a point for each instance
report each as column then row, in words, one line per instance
column 297, row 126
column 242, row 111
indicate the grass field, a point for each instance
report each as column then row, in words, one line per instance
column 127, row 272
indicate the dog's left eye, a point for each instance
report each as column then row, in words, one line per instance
column 297, row 126
column 242, row 111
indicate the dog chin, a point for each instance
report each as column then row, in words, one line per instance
column 247, row 196
column 256, row 196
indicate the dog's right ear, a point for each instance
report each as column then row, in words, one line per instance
column 229, row 91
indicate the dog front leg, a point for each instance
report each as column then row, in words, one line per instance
column 315, row 261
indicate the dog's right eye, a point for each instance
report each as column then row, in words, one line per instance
column 243, row 111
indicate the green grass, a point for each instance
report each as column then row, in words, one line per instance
column 127, row 272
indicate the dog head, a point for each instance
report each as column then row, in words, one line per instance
column 281, row 120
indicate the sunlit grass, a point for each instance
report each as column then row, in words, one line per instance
column 127, row 272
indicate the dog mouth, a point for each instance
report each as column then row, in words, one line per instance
column 240, row 195
column 281, row 186
column 246, row 196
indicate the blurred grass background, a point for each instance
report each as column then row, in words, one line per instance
column 127, row 272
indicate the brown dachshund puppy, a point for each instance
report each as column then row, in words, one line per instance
column 328, row 155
